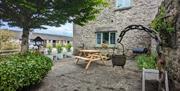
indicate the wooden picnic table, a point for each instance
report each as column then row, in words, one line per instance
column 89, row 56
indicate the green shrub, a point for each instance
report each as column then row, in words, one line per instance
column 18, row 71
column 59, row 48
column 49, row 46
column 145, row 61
column 159, row 23
column 68, row 46
column 2, row 58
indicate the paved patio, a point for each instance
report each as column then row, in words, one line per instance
column 68, row 76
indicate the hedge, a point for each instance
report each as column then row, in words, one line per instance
column 18, row 71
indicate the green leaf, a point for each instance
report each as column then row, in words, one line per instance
column 17, row 71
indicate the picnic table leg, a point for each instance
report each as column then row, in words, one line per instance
column 77, row 60
column 80, row 54
column 87, row 66
column 102, row 59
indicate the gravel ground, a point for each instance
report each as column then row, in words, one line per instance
column 68, row 76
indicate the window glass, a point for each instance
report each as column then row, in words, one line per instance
column 112, row 38
column 106, row 37
column 98, row 38
column 31, row 40
column 123, row 3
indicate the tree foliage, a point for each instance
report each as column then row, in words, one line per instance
column 31, row 14
column 35, row 13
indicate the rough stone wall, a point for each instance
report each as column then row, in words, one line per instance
column 142, row 12
column 172, row 55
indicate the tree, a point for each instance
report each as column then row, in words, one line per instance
column 32, row 14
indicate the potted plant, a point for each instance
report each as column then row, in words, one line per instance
column 59, row 54
column 49, row 49
column 68, row 47
column 59, row 48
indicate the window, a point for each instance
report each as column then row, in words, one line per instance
column 112, row 38
column 106, row 37
column 61, row 41
column 49, row 41
column 121, row 4
column 98, row 38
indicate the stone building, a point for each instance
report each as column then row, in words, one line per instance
column 113, row 19
column 48, row 39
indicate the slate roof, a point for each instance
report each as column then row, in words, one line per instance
column 18, row 35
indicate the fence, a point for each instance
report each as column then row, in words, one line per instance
column 8, row 52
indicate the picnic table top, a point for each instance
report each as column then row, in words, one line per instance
column 91, row 51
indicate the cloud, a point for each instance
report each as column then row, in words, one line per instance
column 65, row 30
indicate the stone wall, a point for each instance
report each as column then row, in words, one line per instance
column 142, row 12
column 172, row 55
column 173, row 65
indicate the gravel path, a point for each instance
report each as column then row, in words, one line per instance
column 68, row 76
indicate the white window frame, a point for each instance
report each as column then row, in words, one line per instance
column 109, row 42
column 125, row 7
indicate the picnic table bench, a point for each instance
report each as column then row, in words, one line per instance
column 89, row 56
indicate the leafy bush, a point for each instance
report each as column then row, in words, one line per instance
column 68, row 46
column 2, row 58
column 159, row 23
column 18, row 71
column 145, row 61
column 49, row 46
column 59, row 48
column 165, row 26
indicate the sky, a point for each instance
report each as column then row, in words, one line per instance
column 65, row 30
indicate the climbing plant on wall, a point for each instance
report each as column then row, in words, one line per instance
column 162, row 24
column 165, row 26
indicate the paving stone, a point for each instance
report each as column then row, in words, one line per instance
column 68, row 76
